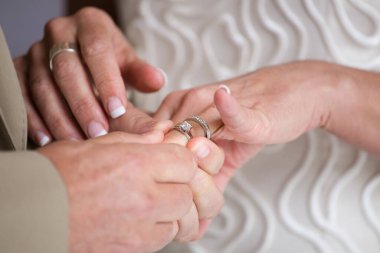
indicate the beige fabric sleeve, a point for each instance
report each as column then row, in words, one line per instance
column 33, row 205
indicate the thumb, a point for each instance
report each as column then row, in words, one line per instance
column 243, row 124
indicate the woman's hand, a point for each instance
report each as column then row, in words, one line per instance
column 272, row 105
column 63, row 104
column 278, row 104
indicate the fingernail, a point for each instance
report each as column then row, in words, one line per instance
column 115, row 107
column 95, row 129
column 164, row 76
column 42, row 138
column 225, row 88
column 202, row 151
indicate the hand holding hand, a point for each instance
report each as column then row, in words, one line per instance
column 272, row 105
column 125, row 192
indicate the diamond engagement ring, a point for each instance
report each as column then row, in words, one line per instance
column 59, row 48
column 184, row 128
column 202, row 123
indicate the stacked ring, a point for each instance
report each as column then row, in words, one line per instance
column 202, row 123
column 184, row 128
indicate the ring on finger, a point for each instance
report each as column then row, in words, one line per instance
column 197, row 119
column 59, row 48
column 184, row 128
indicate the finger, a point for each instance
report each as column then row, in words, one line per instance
column 175, row 137
column 37, row 130
column 244, row 124
column 188, row 226
column 173, row 201
column 203, row 225
column 207, row 196
column 137, row 121
column 48, row 100
column 74, row 84
column 194, row 102
column 95, row 34
column 143, row 76
column 209, row 156
column 122, row 137
column 177, row 164
column 161, row 235
column 169, row 105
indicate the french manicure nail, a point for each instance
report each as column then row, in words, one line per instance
column 225, row 87
column 164, row 76
column 95, row 129
column 42, row 138
column 202, row 151
column 115, row 107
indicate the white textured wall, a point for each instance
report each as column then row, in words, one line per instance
column 23, row 21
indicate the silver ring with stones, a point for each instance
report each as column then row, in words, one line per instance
column 184, row 128
column 202, row 123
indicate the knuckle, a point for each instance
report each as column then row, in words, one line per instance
column 195, row 94
column 90, row 12
column 54, row 25
column 35, row 49
column 39, row 86
column 95, row 47
column 82, row 107
column 106, row 83
column 56, row 122
column 171, row 97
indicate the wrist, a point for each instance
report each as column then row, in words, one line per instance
column 355, row 111
column 338, row 97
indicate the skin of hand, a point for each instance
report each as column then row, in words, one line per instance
column 277, row 104
column 125, row 192
column 207, row 193
column 85, row 89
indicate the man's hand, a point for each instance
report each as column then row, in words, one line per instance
column 84, row 89
column 125, row 193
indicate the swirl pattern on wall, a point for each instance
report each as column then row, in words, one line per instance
column 316, row 194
